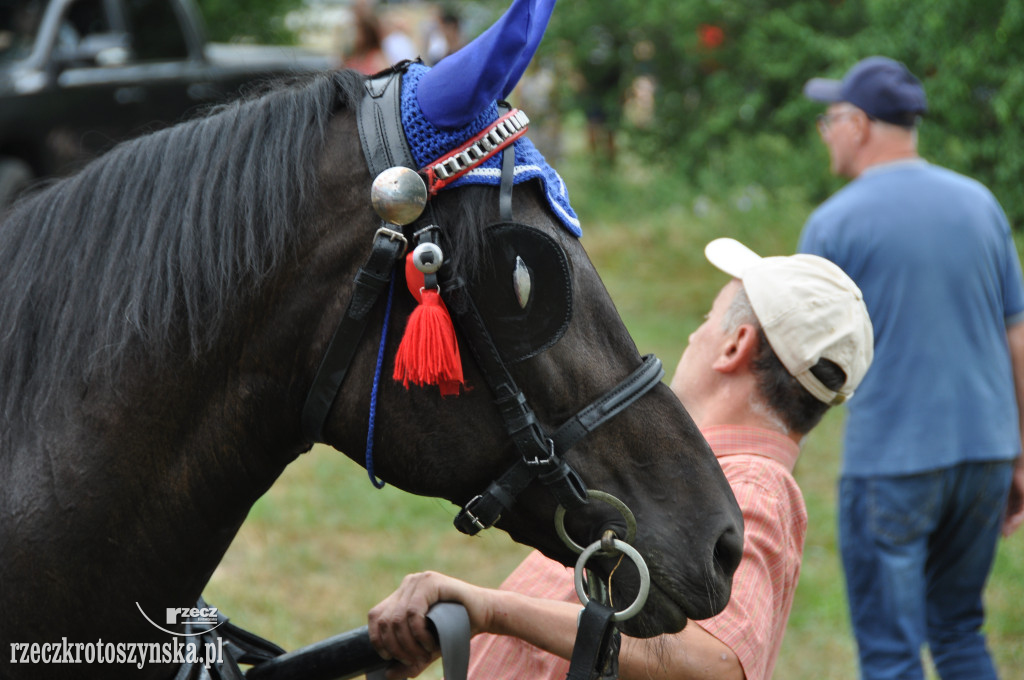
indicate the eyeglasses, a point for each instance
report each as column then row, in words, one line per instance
column 825, row 120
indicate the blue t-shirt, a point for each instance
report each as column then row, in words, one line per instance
column 932, row 252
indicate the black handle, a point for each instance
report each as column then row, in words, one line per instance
column 351, row 654
column 343, row 656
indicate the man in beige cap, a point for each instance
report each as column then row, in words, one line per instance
column 785, row 339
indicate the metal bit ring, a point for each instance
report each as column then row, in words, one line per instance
column 641, row 566
column 611, row 500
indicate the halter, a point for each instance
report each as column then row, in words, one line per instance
column 541, row 455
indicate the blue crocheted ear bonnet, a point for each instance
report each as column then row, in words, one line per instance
column 428, row 142
column 444, row 106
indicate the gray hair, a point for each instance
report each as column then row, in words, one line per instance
column 780, row 396
column 740, row 312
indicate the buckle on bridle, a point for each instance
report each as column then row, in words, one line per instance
column 538, row 461
column 466, row 521
column 393, row 235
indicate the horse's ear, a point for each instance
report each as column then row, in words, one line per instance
column 453, row 93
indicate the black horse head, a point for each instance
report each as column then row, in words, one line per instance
column 164, row 313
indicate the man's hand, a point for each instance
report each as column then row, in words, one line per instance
column 1015, row 504
column 398, row 624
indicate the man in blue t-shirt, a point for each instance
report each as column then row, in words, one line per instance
column 932, row 449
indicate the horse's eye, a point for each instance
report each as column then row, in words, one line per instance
column 521, row 281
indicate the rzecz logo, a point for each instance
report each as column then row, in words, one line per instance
column 197, row 620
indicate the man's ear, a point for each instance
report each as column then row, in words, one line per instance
column 739, row 350
column 863, row 128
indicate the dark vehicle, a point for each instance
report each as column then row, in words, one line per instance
column 78, row 76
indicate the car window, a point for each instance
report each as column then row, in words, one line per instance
column 157, row 30
column 87, row 37
column 86, row 17
column 19, row 22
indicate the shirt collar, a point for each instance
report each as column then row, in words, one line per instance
column 893, row 165
column 734, row 440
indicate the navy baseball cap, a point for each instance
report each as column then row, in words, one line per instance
column 881, row 87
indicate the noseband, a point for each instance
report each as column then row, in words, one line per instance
column 541, row 455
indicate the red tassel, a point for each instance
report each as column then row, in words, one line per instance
column 429, row 352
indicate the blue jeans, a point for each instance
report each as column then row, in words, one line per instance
column 917, row 551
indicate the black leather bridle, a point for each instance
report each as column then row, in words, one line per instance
column 541, row 456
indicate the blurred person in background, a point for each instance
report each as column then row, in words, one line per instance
column 785, row 339
column 602, row 92
column 537, row 94
column 366, row 54
column 446, row 38
column 397, row 44
column 931, row 467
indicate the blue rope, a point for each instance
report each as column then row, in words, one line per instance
column 376, row 385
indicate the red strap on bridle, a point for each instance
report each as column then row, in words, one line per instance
column 488, row 143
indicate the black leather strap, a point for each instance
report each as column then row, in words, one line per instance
column 379, row 117
column 234, row 644
column 639, row 382
column 484, row 510
column 595, row 653
column 537, row 455
column 541, row 458
column 380, row 122
column 370, row 282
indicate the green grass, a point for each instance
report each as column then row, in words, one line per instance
column 323, row 546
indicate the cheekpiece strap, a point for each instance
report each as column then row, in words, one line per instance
column 538, row 459
column 370, row 281
column 379, row 117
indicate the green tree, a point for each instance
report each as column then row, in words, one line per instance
column 729, row 108
column 260, row 21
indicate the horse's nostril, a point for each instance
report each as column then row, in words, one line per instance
column 729, row 550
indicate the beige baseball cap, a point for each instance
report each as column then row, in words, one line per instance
column 809, row 310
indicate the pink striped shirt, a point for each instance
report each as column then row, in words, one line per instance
column 759, row 466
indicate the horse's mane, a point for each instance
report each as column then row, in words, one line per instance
column 150, row 243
